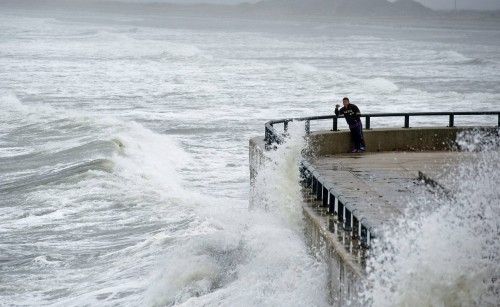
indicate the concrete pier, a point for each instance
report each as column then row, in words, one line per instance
column 376, row 187
column 350, row 198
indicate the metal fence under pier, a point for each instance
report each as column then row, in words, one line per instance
column 357, row 226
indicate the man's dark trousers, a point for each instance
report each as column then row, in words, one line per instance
column 357, row 136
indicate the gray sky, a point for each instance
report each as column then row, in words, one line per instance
column 435, row 4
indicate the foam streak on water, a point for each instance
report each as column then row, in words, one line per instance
column 124, row 148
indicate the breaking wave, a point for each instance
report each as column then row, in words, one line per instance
column 256, row 257
column 304, row 68
column 56, row 175
column 380, row 85
column 454, row 57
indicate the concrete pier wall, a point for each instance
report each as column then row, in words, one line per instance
column 344, row 270
column 403, row 139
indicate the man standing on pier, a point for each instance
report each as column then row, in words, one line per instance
column 351, row 114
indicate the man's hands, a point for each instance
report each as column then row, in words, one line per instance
column 337, row 106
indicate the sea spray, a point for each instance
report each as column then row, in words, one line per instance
column 255, row 257
column 276, row 187
column 449, row 253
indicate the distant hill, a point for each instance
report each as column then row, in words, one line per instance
column 365, row 8
column 297, row 6
column 342, row 7
column 263, row 9
column 410, row 7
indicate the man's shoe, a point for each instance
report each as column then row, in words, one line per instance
column 354, row 150
column 362, row 149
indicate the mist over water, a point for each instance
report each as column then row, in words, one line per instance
column 124, row 156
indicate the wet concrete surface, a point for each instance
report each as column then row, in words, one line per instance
column 379, row 186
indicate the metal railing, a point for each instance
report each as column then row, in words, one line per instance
column 348, row 217
column 272, row 136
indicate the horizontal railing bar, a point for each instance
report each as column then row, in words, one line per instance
column 273, row 136
column 280, row 121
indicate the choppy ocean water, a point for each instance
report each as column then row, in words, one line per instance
column 124, row 157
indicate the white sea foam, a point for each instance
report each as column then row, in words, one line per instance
column 282, row 195
column 380, row 85
column 304, row 68
column 151, row 158
column 104, row 45
column 448, row 254
column 256, row 257
column 44, row 261
column 10, row 103
column 453, row 57
column 364, row 38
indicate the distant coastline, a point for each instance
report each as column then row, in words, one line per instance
column 281, row 9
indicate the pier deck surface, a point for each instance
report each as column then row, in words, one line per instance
column 379, row 186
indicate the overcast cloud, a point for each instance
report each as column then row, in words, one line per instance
column 435, row 4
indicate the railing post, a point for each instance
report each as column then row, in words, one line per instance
column 324, row 197
column 340, row 211
column 363, row 234
column 335, row 123
column 498, row 125
column 407, row 121
column 285, row 126
column 452, row 120
column 367, row 122
column 266, row 136
column 309, row 179
column 308, row 127
column 331, row 204
column 347, row 219
column 319, row 190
